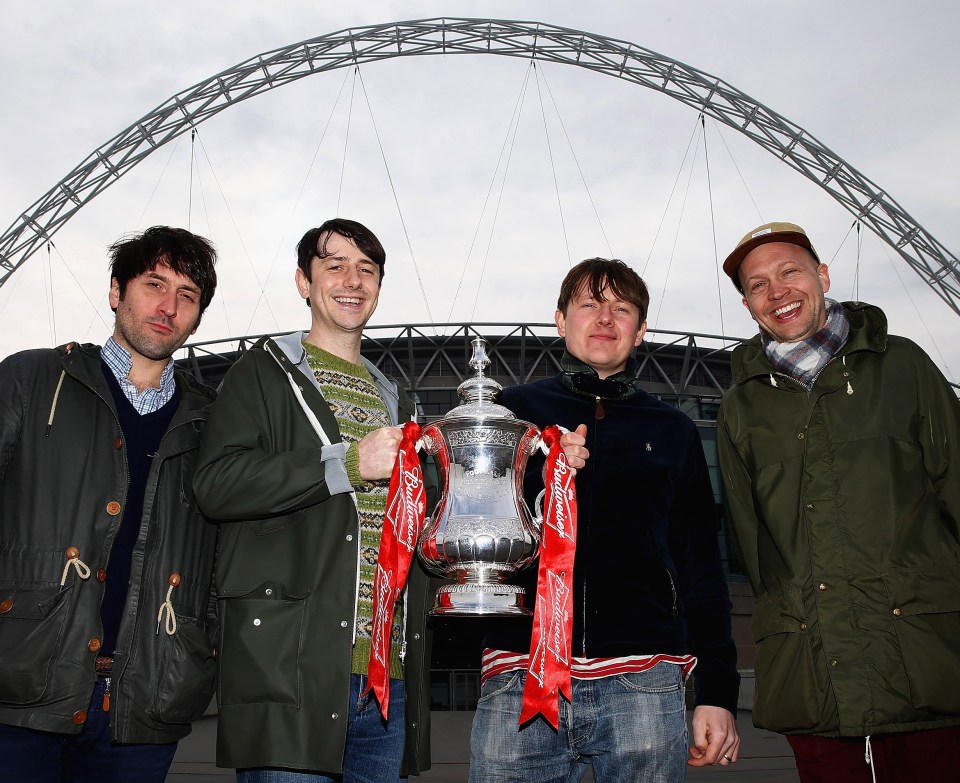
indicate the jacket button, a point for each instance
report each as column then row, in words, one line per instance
column 803, row 626
column 118, row 442
column 113, row 508
column 800, row 436
column 349, row 537
column 416, row 636
column 897, row 613
column 174, row 579
column 72, row 553
column 809, row 505
column 343, row 623
column 834, row 662
column 94, row 645
column 334, row 716
column 6, row 606
column 821, row 586
column 101, row 575
column 79, row 717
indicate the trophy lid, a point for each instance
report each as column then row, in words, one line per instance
column 479, row 393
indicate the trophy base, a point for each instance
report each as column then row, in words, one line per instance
column 473, row 600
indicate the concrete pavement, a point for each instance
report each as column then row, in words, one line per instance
column 764, row 757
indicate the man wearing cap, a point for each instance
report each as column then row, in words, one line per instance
column 840, row 451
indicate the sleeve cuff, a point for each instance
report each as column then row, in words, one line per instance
column 353, row 466
column 334, row 468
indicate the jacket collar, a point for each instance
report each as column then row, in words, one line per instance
column 868, row 332
column 583, row 379
column 82, row 361
column 292, row 347
column 83, row 364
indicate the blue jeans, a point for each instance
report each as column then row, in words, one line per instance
column 374, row 749
column 87, row 757
column 629, row 728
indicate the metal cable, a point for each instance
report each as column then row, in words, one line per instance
column 396, row 200
column 713, row 224
column 514, row 117
column 553, row 169
column 576, row 161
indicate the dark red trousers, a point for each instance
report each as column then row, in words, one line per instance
column 929, row 756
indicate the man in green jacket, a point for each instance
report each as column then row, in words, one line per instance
column 295, row 464
column 107, row 614
column 840, row 451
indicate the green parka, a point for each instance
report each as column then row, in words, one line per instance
column 63, row 485
column 287, row 570
column 845, row 503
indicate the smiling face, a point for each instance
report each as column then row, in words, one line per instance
column 343, row 290
column 156, row 313
column 783, row 288
column 601, row 333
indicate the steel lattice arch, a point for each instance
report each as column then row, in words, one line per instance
column 713, row 97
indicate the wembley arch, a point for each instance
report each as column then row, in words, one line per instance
column 713, row 97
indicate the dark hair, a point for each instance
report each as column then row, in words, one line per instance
column 314, row 243
column 600, row 274
column 186, row 254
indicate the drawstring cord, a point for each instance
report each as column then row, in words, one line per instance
column 166, row 608
column 73, row 559
column 53, row 404
column 56, row 395
column 849, row 387
column 868, row 758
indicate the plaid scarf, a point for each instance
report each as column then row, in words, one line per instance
column 802, row 360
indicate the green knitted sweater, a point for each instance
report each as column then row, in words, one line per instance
column 359, row 409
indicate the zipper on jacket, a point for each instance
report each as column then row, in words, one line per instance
column 673, row 592
column 813, row 381
column 599, row 414
column 583, row 643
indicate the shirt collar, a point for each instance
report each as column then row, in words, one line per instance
column 120, row 362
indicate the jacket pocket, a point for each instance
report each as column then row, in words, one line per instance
column 32, row 622
column 925, row 608
column 188, row 673
column 260, row 646
column 786, row 697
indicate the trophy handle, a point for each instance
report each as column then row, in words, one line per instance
column 538, row 510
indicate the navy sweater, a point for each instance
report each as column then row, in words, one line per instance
column 142, row 436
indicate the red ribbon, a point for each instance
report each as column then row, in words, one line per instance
column 402, row 524
column 549, row 673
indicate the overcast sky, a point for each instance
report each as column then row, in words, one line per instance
column 481, row 213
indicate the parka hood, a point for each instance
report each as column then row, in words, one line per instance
column 868, row 332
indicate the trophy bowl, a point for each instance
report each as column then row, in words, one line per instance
column 481, row 530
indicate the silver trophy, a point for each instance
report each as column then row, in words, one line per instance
column 481, row 531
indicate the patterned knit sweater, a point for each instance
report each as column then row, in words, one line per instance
column 359, row 409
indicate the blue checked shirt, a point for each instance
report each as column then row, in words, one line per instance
column 149, row 400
